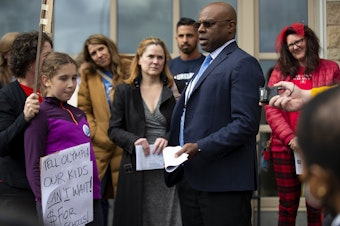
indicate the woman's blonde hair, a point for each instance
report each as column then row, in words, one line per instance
column 166, row 76
column 6, row 43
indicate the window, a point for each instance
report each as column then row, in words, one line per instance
column 19, row 16
column 75, row 20
column 276, row 14
column 141, row 19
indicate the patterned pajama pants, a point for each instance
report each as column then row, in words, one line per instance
column 289, row 191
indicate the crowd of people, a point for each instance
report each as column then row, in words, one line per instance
column 207, row 105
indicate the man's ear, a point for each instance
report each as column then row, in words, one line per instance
column 319, row 180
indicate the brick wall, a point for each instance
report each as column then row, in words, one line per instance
column 333, row 30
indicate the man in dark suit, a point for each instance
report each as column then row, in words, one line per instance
column 216, row 124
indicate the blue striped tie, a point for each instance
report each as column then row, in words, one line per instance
column 192, row 84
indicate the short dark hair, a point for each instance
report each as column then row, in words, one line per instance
column 24, row 51
column 185, row 21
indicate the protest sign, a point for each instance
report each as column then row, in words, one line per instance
column 67, row 187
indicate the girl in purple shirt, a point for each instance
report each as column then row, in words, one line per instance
column 58, row 126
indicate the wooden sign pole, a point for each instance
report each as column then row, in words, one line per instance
column 45, row 25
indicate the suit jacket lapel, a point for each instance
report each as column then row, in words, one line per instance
column 219, row 59
column 138, row 102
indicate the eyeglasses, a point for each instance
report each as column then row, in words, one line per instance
column 208, row 23
column 296, row 43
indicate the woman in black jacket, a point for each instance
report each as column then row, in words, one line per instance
column 141, row 114
column 18, row 105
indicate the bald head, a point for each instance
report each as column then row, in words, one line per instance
column 222, row 8
column 217, row 25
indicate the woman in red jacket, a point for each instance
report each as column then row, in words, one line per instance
column 299, row 62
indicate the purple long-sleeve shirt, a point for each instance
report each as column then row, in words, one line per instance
column 57, row 126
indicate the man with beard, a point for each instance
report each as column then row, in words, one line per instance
column 190, row 58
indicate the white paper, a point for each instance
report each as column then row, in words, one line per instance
column 170, row 161
column 150, row 162
column 67, row 186
column 298, row 163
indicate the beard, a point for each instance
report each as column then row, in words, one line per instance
column 187, row 49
